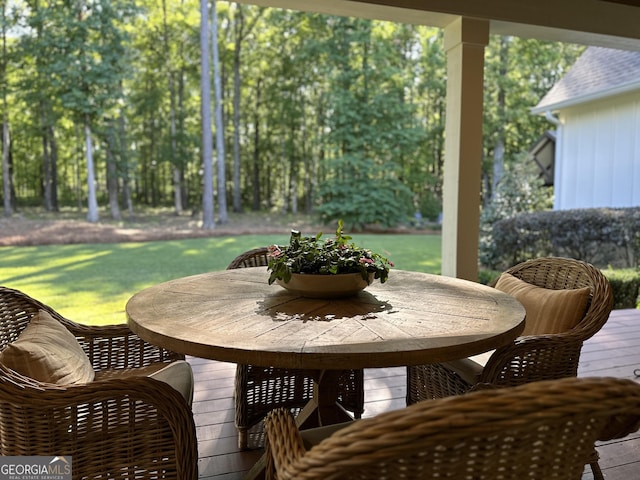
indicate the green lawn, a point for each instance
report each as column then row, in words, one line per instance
column 91, row 283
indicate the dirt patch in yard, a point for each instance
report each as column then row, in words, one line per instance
column 38, row 228
column 49, row 229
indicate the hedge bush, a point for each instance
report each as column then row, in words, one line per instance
column 625, row 284
column 601, row 236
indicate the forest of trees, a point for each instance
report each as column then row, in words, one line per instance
column 344, row 117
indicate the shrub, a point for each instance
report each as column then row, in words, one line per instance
column 487, row 277
column 601, row 236
column 520, row 190
column 625, row 284
column 363, row 193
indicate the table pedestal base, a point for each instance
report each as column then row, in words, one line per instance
column 323, row 409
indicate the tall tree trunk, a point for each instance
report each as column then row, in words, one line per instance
column 177, row 173
column 286, row 178
column 256, row 149
column 294, row 171
column 126, row 190
column 308, row 169
column 313, row 180
column 53, row 164
column 92, row 214
column 177, row 170
column 78, row 160
column 6, row 169
column 47, row 170
column 294, row 196
column 112, row 172
column 239, row 27
column 207, row 141
column 153, row 162
column 498, row 151
column 217, row 84
column 181, row 128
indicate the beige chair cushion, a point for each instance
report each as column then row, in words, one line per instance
column 470, row 369
column 178, row 375
column 548, row 311
column 48, row 352
column 313, row 436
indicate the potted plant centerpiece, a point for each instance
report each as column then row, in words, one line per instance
column 325, row 268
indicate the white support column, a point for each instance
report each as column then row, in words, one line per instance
column 464, row 42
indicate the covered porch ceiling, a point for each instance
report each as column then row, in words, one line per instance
column 467, row 25
column 606, row 23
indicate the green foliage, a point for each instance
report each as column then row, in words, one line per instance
column 488, row 277
column 318, row 94
column 320, row 256
column 80, row 53
column 371, row 126
column 520, row 190
column 430, row 206
column 518, row 73
column 601, row 236
column 625, row 284
column 363, row 193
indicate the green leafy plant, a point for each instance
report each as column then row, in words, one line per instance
column 315, row 255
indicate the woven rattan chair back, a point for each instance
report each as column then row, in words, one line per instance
column 258, row 390
column 565, row 273
column 542, row 430
column 547, row 357
column 531, row 358
column 251, row 258
column 16, row 311
column 128, row 427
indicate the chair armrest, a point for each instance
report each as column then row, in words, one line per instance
column 106, row 425
column 620, row 426
column 116, row 346
column 533, row 358
column 283, row 443
column 108, row 347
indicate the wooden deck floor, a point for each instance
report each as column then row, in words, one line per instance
column 614, row 351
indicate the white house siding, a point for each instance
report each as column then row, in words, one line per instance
column 598, row 154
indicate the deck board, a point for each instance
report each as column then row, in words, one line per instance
column 614, row 351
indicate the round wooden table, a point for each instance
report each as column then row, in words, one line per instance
column 236, row 316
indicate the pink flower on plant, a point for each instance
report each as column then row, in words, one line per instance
column 274, row 251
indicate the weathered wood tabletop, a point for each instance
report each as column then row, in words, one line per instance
column 413, row 318
column 236, row 316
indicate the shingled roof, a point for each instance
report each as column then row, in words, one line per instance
column 598, row 73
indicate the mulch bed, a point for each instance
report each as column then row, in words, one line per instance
column 20, row 231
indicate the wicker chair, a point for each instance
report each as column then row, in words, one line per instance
column 119, row 425
column 258, row 390
column 539, row 430
column 528, row 358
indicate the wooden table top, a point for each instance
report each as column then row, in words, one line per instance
column 413, row 318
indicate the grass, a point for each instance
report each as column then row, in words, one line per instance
column 91, row 283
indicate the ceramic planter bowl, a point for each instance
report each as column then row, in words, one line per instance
column 326, row 286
